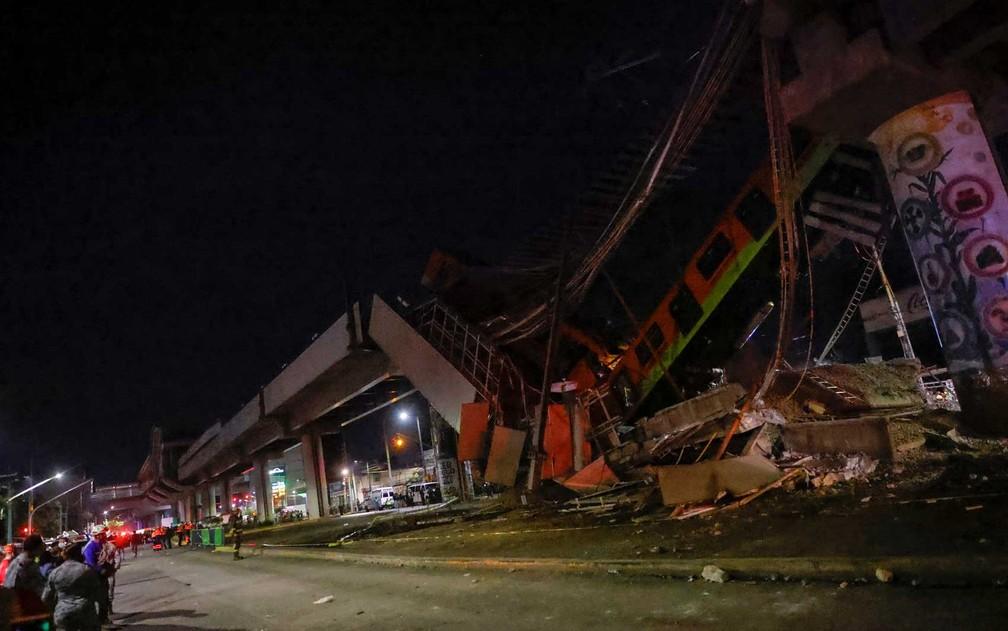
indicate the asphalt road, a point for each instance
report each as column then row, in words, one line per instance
column 183, row 589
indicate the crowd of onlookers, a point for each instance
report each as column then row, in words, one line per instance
column 74, row 579
column 74, row 575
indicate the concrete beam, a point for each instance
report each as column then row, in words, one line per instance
column 441, row 384
column 230, row 458
column 264, row 436
column 336, row 425
column 178, row 486
column 354, row 375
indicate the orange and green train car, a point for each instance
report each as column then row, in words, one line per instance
column 741, row 232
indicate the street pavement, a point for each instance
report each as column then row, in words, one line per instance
column 194, row 589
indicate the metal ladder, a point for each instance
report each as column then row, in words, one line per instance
column 832, row 388
column 852, row 308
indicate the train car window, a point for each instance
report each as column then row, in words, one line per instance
column 626, row 392
column 756, row 213
column 686, row 310
column 714, row 256
column 654, row 338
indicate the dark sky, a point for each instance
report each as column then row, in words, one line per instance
column 182, row 192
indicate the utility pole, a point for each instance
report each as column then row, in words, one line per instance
column 419, row 435
column 539, row 426
column 435, row 431
column 388, row 456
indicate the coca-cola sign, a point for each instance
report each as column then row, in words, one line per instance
column 877, row 313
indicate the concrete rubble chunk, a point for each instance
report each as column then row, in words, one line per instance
column 688, row 484
column 694, row 412
column 883, row 575
column 868, row 436
column 714, row 574
column 324, row 600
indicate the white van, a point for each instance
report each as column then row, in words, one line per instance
column 381, row 498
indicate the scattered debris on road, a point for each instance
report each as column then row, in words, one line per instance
column 714, row 574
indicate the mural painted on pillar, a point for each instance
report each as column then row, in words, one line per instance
column 954, row 211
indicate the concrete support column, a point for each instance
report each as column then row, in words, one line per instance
column 212, row 487
column 954, row 210
column 180, row 509
column 206, row 501
column 315, row 475
column 261, row 486
column 226, row 494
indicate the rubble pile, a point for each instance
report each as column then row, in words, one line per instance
column 830, row 425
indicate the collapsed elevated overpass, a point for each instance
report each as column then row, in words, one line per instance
column 356, row 367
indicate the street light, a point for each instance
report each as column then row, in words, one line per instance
column 31, row 513
column 10, row 516
column 346, row 491
column 404, row 416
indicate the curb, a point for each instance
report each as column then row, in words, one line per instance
column 925, row 571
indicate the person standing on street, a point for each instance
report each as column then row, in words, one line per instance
column 8, row 557
column 236, row 533
column 23, row 572
column 74, row 592
column 93, row 558
column 109, row 560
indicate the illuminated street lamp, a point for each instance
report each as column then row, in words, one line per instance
column 404, row 416
column 10, row 516
column 31, row 513
column 346, row 491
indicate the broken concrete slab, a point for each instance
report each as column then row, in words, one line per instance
column 868, row 436
column 696, row 411
column 506, row 447
column 687, row 484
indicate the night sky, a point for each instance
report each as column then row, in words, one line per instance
column 184, row 193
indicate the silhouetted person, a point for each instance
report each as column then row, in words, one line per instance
column 23, row 572
column 236, row 533
column 135, row 543
column 74, row 591
column 94, row 558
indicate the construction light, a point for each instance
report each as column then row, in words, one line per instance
column 345, row 472
column 404, row 415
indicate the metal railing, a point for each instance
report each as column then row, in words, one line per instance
column 118, row 491
column 469, row 351
column 939, row 391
